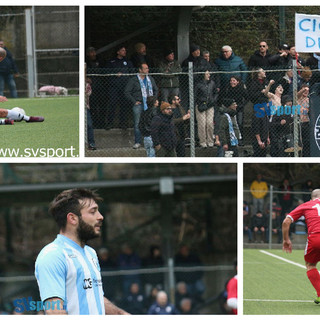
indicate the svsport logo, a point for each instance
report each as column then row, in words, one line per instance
column 262, row 109
column 28, row 304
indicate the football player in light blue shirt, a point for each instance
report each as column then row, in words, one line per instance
column 67, row 270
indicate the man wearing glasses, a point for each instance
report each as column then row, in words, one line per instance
column 231, row 64
column 261, row 57
column 163, row 132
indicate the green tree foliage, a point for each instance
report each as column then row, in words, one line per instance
column 211, row 27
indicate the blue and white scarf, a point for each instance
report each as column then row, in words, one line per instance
column 318, row 58
column 145, row 90
column 233, row 138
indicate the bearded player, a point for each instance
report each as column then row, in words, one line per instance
column 12, row 115
column 67, row 270
column 311, row 211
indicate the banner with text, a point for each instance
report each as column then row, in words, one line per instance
column 307, row 33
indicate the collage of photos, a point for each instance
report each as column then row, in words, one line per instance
column 90, row 225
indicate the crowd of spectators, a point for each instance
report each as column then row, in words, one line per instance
column 256, row 213
column 144, row 293
column 222, row 88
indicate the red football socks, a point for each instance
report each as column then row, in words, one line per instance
column 314, row 278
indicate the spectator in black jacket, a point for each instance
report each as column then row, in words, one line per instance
column 199, row 63
column 256, row 87
column 145, row 124
column 135, row 301
column 237, row 91
column 180, row 118
column 154, row 260
column 260, row 129
column 280, row 128
column 213, row 67
column 259, row 225
column 8, row 71
column 119, row 65
column 163, row 132
column 206, row 98
column 261, row 57
column 95, row 65
column 185, row 258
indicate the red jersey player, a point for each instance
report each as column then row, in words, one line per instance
column 232, row 293
column 311, row 211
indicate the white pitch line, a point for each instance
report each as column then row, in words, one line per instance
column 283, row 259
column 266, row 300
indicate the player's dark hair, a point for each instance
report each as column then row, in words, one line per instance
column 69, row 201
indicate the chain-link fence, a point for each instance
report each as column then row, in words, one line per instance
column 257, row 218
column 237, row 113
column 44, row 42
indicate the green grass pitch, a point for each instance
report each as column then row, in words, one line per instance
column 273, row 286
column 57, row 136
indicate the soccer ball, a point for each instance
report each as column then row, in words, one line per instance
column 20, row 110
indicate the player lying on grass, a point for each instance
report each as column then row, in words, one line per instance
column 67, row 269
column 311, row 211
column 13, row 115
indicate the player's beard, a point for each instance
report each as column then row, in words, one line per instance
column 85, row 231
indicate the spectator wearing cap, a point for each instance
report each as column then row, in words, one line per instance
column 92, row 60
column 232, row 64
column 163, row 132
column 228, row 131
column 199, row 63
column 169, row 81
column 280, row 59
column 237, row 91
column 285, row 56
column 140, row 56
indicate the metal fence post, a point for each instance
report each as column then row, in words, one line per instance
column 30, row 52
column 171, row 280
column 270, row 216
column 294, row 103
column 282, row 24
column 192, row 113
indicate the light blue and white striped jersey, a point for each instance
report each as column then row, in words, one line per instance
column 66, row 270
